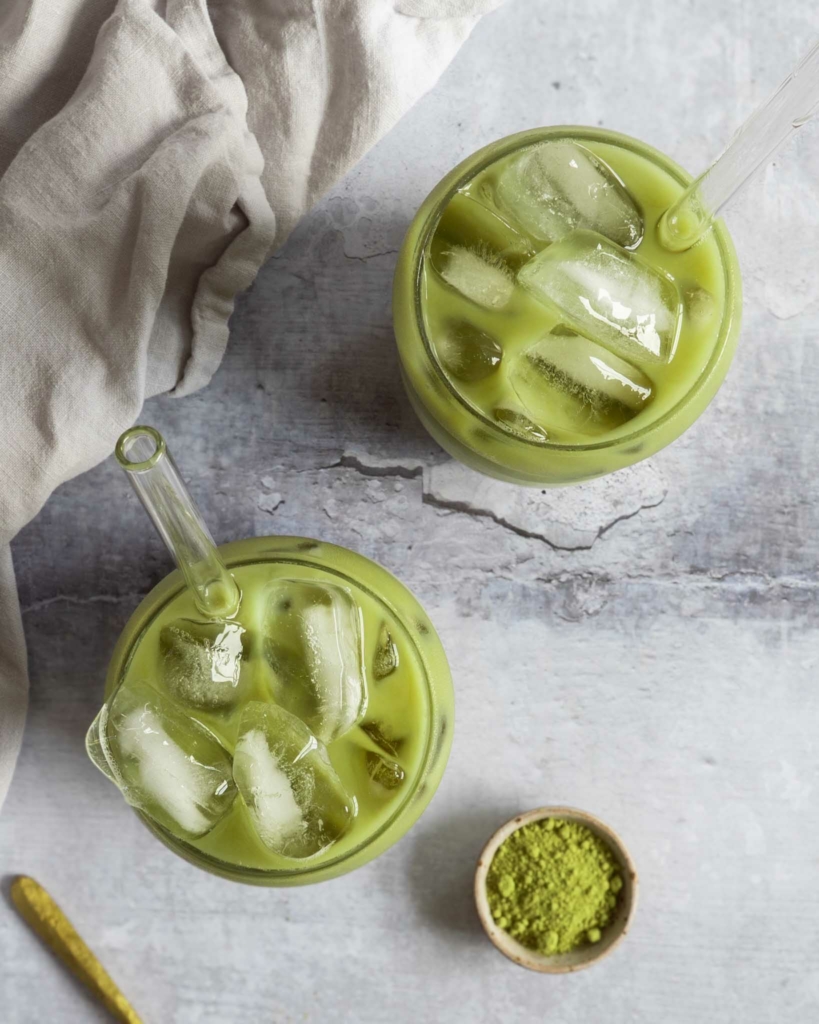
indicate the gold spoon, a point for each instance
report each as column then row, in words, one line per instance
column 40, row 911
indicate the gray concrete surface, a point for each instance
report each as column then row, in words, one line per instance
column 643, row 647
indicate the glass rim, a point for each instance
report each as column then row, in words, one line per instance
column 429, row 753
column 503, row 147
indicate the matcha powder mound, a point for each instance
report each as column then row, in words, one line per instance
column 553, row 886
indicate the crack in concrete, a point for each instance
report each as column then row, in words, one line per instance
column 629, row 515
column 466, row 508
column 45, row 602
column 483, row 513
column 689, row 577
column 404, row 472
column 739, row 578
column 271, row 508
column 369, row 256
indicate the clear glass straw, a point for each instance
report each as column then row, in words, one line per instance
column 143, row 454
column 766, row 131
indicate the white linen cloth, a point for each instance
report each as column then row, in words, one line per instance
column 152, row 153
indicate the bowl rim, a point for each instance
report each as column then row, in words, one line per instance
column 509, row 946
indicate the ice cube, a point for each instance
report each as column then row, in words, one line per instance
column 470, row 223
column 381, row 737
column 386, row 658
column 569, row 383
column 466, row 352
column 166, row 764
column 477, row 272
column 201, row 662
column 313, row 641
column 296, row 800
column 386, row 773
column 609, row 295
column 700, row 305
column 555, row 187
column 516, row 423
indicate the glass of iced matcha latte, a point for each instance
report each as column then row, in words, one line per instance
column 278, row 710
column 545, row 334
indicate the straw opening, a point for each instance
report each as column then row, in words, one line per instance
column 140, row 448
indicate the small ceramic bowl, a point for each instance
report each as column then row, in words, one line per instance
column 559, row 963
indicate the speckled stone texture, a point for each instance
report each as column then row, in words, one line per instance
column 642, row 647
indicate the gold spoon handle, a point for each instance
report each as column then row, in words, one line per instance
column 40, row 911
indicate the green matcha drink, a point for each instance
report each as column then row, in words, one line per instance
column 292, row 741
column 545, row 336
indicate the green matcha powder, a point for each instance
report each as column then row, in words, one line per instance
column 553, row 885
